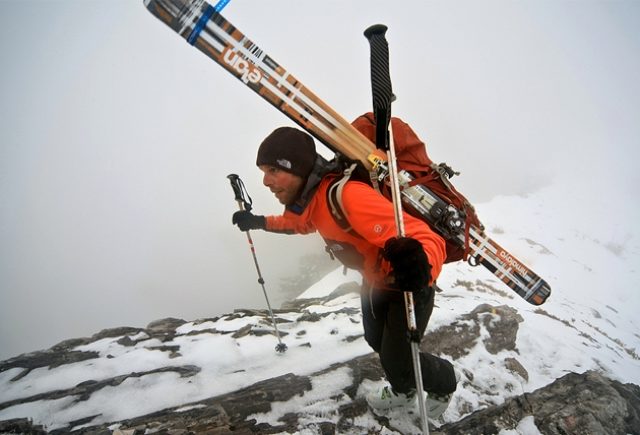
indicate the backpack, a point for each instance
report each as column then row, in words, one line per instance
column 411, row 156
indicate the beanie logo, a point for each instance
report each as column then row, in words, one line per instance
column 248, row 72
column 284, row 163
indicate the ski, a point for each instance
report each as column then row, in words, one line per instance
column 206, row 29
column 449, row 222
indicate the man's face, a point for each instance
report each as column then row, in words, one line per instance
column 284, row 185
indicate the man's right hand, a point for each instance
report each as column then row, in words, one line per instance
column 245, row 220
column 411, row 268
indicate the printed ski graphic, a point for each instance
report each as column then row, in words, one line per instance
column 200, row 25
column 448, row 222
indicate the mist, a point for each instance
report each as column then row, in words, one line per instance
column 116, row 138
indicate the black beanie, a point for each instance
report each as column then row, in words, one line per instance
column 289, row 149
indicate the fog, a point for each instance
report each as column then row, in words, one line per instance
column 116, row 137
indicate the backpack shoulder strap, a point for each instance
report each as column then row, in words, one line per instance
column 334, row 200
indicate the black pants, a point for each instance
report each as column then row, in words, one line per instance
column 386, row 331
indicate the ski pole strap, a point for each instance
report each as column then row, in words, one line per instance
column 380, row 83
column 240, row 191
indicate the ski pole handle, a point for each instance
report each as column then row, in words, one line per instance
column 235, row 185
column 382, row 99
column 380, row 82
column 240, row 192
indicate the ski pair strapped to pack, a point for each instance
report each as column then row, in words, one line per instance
column 224, row 43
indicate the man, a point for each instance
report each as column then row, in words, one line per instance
column 299, row 178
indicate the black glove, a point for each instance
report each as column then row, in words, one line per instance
column 248, row 221
column 411, row 268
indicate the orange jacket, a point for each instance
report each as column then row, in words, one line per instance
column 371, row 215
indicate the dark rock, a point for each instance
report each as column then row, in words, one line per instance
column 51, row 358
column 454, row 340
column 585, row 403
column 126, row 341
column 513, row 365
column 502, row 323
column 173, row 350
column 310, row 317
column 352, row 338
column 301, row 304
column 65, row 345
column 83, row 421
column 244, row 331
column 20, row 426
column 164, row 329
column 458, row 338
column 168, row 324
column 116, row 332
column 250, row 330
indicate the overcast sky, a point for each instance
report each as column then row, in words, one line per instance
column 116, row 137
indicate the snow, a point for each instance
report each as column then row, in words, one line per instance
column 330, row 282
column 319, row 401
column 589, row 322
column 525, row 427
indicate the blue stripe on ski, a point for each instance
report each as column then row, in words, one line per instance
column 221, row 4
column 208, row 12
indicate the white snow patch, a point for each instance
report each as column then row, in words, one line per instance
column 189, row 408
column 526, row 426
column 330, row 282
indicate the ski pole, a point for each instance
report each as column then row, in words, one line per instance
column 244, row 203
column 382, row 99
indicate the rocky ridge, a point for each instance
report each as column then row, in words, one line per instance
column 577, row 403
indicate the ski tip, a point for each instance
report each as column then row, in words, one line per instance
column 158, row 11
column 374, row 30
column 173, row 12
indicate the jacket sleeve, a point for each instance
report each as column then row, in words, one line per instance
column 289, row 223
column 372, row 216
